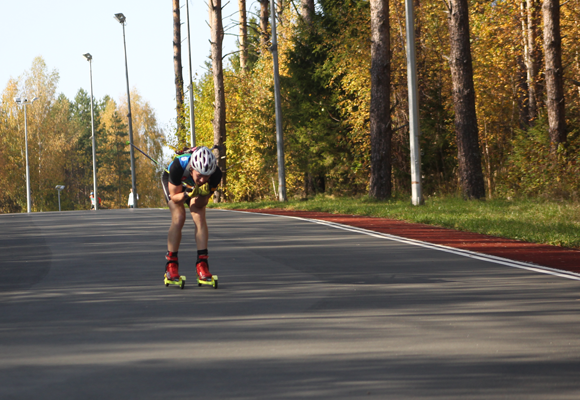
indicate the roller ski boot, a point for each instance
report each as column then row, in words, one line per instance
column 172, row 276
column 204, row 277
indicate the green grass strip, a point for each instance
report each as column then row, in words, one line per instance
column 530, row 220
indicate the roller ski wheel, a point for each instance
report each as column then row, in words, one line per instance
column 180, row 282
column 172, row 276
column 213, row 281
column 204, row 277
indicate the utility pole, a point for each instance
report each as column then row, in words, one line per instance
column 279, row 133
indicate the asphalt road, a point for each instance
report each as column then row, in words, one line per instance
column 303, row 311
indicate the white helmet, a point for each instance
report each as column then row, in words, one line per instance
column 203, row 161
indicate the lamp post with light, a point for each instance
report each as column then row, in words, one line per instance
column 59, row 188
column 190, row 85
column 278, row 107
column 24, row 102
column 89, row 59
column 121, row 18
column 414, row 125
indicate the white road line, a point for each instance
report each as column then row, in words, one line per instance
column 465, row 253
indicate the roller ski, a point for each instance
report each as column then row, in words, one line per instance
column 204, row 277
column 172, row 276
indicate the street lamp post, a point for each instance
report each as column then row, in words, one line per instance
column 90, row 60
column 278, row 106
column 414, row 128
column 190, row 85
column 24, row 102
column 59, row 188
column 121, row 18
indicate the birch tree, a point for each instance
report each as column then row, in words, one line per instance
column 530, row 27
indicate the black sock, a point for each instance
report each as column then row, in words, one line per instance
column 201, row 253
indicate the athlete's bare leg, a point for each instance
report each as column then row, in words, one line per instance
column 177, row 222
column 197, row 209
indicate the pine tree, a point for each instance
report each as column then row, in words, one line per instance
column 380, row 109
column 178, row 70
column 466, row 130
column 219, row 120
column 554, row 73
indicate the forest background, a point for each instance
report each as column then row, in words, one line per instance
column 60, row 146
column 325, row 79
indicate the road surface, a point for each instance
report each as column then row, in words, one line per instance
column 303, row 311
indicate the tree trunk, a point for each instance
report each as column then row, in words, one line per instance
column 522, row 94
column 264, row 23
column 466, row 131
column 380, row 107
column 422, row 77
column 178, row 68
column 554, row 73
column 307, row 11
column 219, row 116
column 530, row 23
column 243, row 36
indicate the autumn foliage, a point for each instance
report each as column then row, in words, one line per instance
column 325, row 67
column 60, row 147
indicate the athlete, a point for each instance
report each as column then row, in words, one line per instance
column 190, row 180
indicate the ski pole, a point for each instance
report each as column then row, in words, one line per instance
column 142, row 152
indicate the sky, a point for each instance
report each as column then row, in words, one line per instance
column 62, row 31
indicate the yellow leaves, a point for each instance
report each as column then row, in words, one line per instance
column 249, row 129
column 47, row 137
column 107, row 115
column 496, row 46
column 114, row 171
